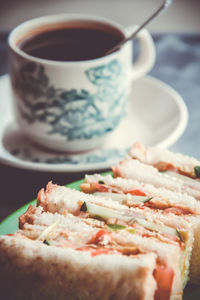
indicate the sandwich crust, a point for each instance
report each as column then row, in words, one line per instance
column 37, row 271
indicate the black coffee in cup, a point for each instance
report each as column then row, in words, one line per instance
column 71, row 41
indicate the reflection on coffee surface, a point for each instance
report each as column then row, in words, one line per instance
column 71, row 42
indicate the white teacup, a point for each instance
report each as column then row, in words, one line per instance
column 73, row 105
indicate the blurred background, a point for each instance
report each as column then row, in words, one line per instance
column 182, row 16
column 177, row 64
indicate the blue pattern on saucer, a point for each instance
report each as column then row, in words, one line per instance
column 98, row 156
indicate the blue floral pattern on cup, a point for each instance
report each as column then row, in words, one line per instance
column 74, row 114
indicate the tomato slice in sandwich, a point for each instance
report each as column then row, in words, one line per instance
column 164, row 276
column 136, row 193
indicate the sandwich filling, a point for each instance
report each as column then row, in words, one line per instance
column 71, row 231
column 176, row 165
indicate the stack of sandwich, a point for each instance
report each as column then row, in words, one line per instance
column 134, row 235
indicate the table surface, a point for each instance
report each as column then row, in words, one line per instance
column 177, row 64
column 181, row 15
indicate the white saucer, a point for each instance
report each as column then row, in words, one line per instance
column 156, row 115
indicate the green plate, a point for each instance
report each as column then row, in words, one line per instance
column 10, row 225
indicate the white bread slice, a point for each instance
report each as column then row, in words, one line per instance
column 173, row 199
column 37, row 224
column 162, row 195
column 32, row 270
column 37, row 216
column 155, row 155
column 193, row 243
column 133, row 169
column 59, row 198
column 70, row 223
column 63, row 200
column 168, row 254
column 37, row 220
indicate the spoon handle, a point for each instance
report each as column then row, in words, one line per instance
column 160, row 10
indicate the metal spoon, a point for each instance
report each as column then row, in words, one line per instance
column 160, row 10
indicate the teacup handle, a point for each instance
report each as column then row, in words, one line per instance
column 147, row 53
